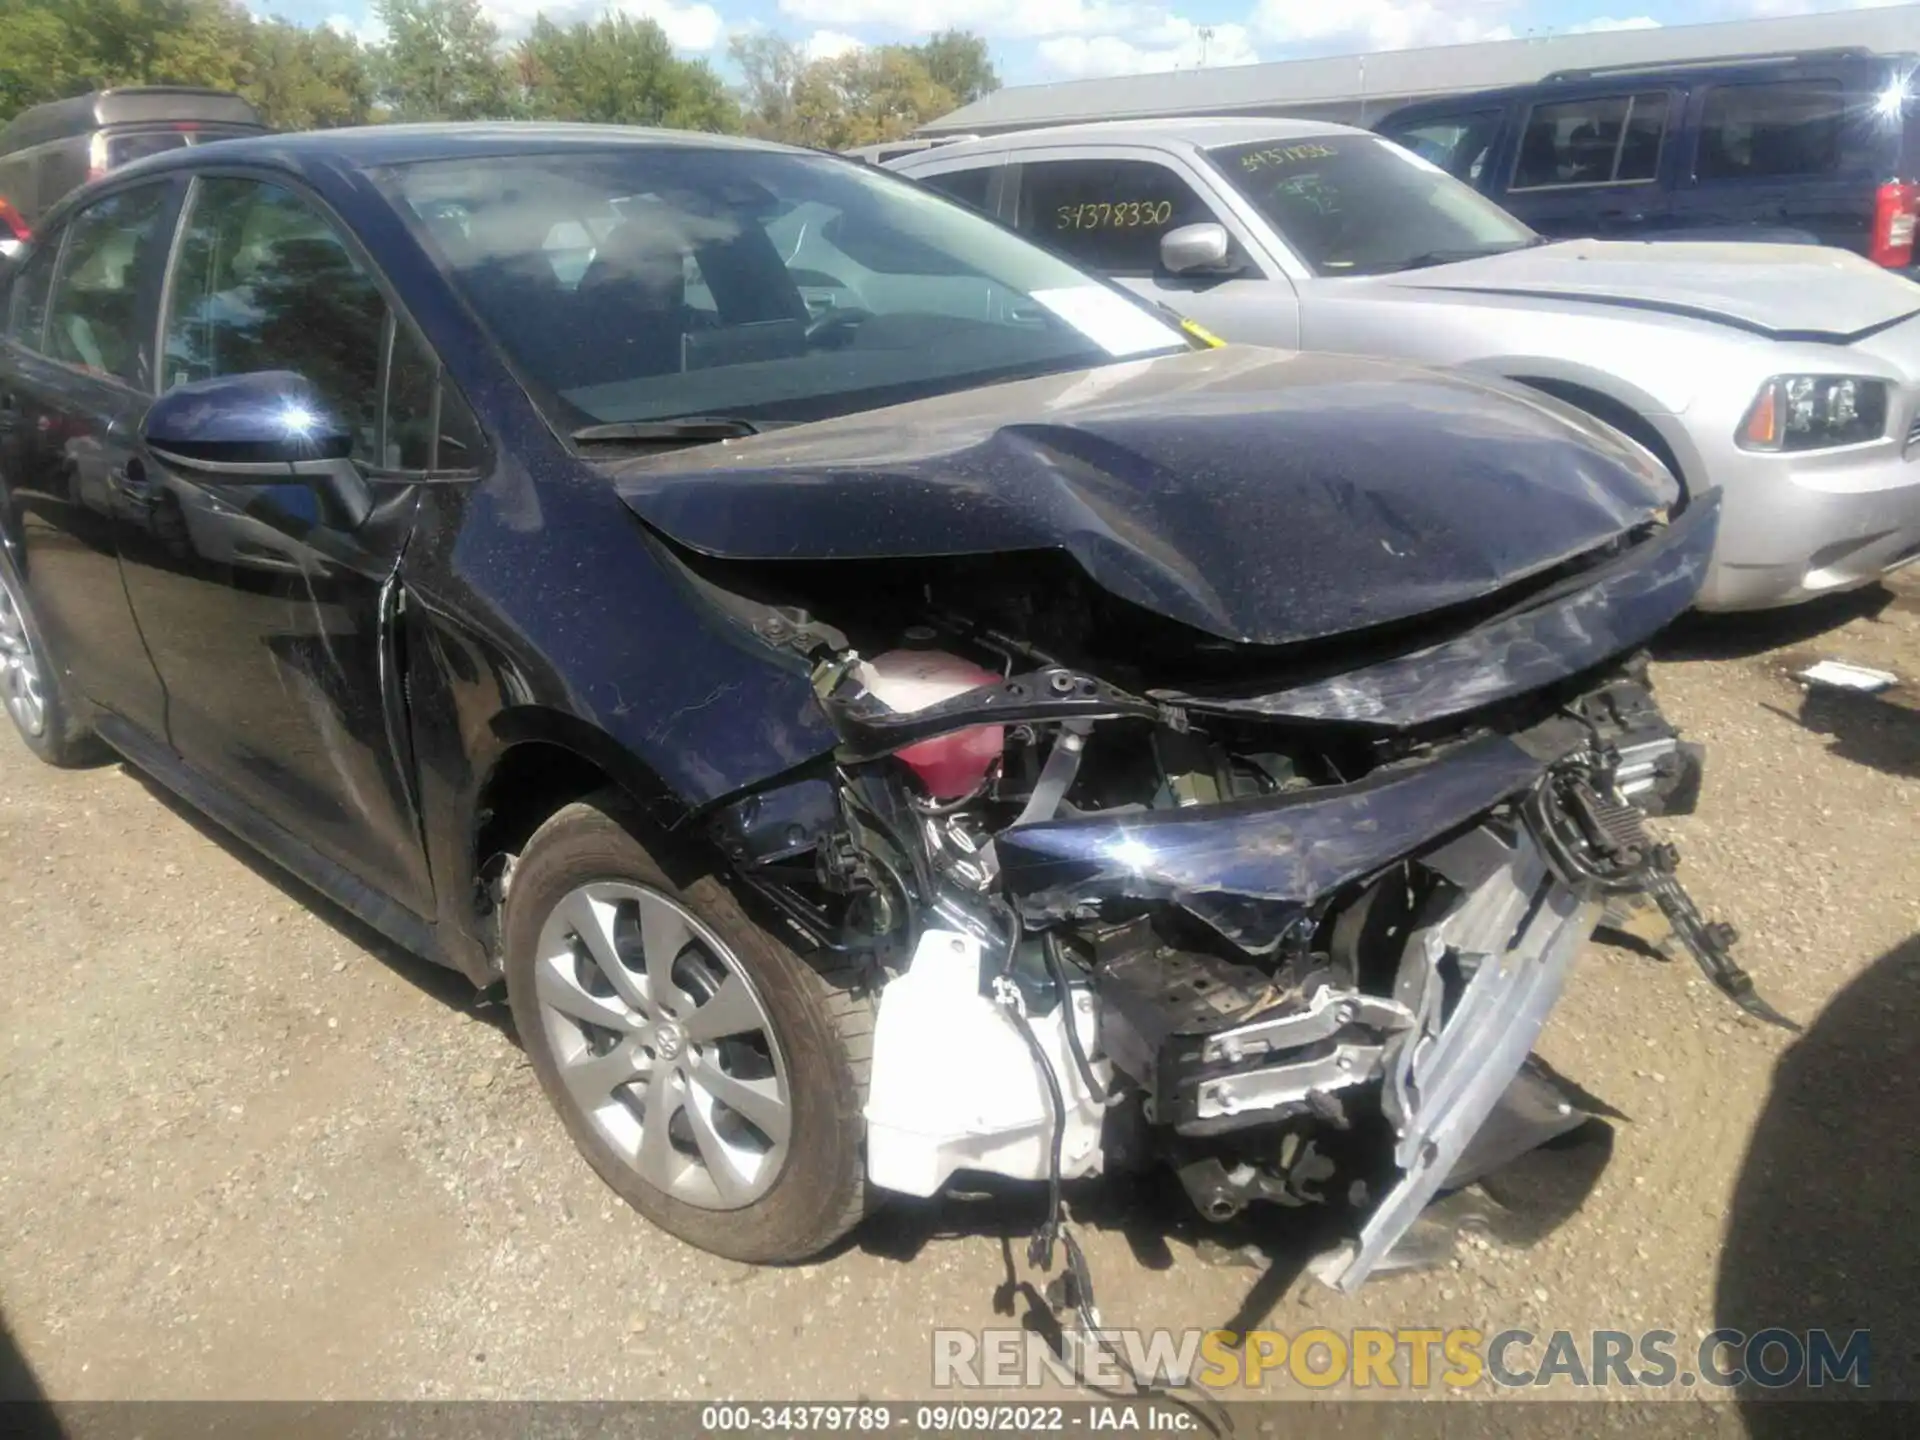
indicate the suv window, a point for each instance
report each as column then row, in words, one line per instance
column 1107, row 214
column 262, row 281
column 969, row 187
column 1458, row 144
column 1599, row 140
column 1767, row 131
column 27, row 303
column 93, row 317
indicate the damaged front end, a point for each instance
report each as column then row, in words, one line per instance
column 1295, row 939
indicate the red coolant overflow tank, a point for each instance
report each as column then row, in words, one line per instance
column 908, row 680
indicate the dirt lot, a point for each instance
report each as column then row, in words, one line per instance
column 248, row 1151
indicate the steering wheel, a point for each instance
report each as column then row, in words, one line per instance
column 830, row 329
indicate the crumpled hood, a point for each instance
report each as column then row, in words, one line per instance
column 1787, row 292
column 1256, row 496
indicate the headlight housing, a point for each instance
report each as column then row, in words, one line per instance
column 1815, row 412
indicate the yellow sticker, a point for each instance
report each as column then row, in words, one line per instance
column 1201, row 333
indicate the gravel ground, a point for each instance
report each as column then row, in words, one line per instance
column 248, row 1151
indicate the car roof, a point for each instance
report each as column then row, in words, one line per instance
column 126, row 105
column 370, row 146
column 1627, row 77
column 1202, row 131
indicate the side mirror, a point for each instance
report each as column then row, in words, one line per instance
column 1203, row 249
column 270, row 427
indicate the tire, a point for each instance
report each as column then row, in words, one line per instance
column 808, row 1188
column 31, row 689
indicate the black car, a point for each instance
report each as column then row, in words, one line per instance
column 51, row 149
column 885, row 702
column 1819, row 148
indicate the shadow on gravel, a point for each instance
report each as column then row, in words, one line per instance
column 23, row 1408
column 449, row 987
column 1518, row 1205
column 1879, row 731
column 1696, row 636
column 1821, row 1231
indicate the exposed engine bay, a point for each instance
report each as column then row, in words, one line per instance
column 1286, row 919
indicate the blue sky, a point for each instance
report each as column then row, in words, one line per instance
column 1039, row 40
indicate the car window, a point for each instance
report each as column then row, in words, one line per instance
column 969, row 187
column 1458, row 144
column 1599, row 140
column 760, row 284
column 1351, row 204
column 124, row 149
column 1108, row 214
column 1769, row 131
column 262, row 281
column 27, row 300
column 93, row 316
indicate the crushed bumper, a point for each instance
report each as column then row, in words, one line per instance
column 1516, row 930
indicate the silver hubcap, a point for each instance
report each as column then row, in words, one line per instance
column 20, row 679
column 663, row 1044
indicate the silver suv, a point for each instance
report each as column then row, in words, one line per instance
column 1786, row 375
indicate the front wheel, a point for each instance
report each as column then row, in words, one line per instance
column 709, row 1075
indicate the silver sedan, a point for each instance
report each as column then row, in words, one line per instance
column 1786, row 376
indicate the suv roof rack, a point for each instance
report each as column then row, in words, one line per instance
column 1707, row 62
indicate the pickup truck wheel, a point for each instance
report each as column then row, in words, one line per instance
column 30, row 687
column 713, row 1078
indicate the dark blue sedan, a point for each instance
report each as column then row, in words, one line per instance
column 880, row 698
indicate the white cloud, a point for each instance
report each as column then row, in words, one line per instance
column 1380, row 24
column 367, row 30
column 689, row 27
column 1173, row 43
column 1016, row 19
column 830, row 45
column 1607, row 23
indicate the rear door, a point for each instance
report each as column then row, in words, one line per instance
column 1105, row 208
column 75, row 379
column 1593, row 164
column 1788, row 157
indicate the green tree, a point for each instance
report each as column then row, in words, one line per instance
column 771, row 67
column 41, row 58
column 958, row 62
column 440, row 61
column 301, row 79
column 866, row 96
column 54, row 48
column 618, row 71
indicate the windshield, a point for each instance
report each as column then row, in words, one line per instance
column 650, row 283
column 1359, row 205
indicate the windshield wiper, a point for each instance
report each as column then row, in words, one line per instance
column 687, row 430
column 1449, row 257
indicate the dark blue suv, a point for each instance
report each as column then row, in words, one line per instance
column 1815, row 147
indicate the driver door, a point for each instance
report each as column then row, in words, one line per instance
column 269, row 619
